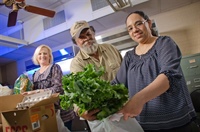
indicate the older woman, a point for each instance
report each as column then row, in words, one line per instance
column 48, row 77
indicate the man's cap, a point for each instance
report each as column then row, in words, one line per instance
column 77, row 27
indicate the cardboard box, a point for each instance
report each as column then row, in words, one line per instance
column 8, row 103
column 40, row 117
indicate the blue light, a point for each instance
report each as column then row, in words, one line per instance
column 64, row 59
column 63, row 52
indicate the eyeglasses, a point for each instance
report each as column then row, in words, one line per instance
column 137, row 24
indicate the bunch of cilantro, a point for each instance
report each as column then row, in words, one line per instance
column 88, row 92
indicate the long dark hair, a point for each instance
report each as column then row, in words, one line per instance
column 143, row 15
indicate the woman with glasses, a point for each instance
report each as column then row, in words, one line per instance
column 49, row 77
column 158, row 94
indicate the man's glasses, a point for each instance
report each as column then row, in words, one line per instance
column 137, row 24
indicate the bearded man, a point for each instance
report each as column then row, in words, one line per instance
column 105, row 55
column 99, row 55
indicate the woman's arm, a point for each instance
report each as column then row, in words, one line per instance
column 169, row 57
column 135, row 105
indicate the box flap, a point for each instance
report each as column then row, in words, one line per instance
column 31, row 99
column 9, row 102
column 38, row 119
column 53, row 98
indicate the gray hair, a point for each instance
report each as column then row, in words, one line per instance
column 34, row 58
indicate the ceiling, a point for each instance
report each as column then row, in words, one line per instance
column 12, row 53
column 152, row 7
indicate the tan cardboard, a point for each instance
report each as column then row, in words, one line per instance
column 8, row 103
column 54, row 98
column 41, row 117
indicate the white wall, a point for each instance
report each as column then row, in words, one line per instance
column 183, row 25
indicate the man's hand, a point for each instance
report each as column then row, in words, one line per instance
column 90, row 115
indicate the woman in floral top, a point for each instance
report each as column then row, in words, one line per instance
column 49, row 77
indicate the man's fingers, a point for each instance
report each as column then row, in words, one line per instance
column 90, row 115
column 125, row 117
column 92, row 112
column 91, row 118
column 120, row 111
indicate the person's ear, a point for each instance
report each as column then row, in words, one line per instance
column 150, row 24
column 73, row 40
column 93, row 33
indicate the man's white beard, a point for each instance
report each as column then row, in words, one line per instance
column 91, row 49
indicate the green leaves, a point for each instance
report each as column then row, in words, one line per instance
column 88, row 92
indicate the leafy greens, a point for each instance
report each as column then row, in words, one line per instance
column 88, row 92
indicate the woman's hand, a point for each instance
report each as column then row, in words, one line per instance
column 132, row 108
